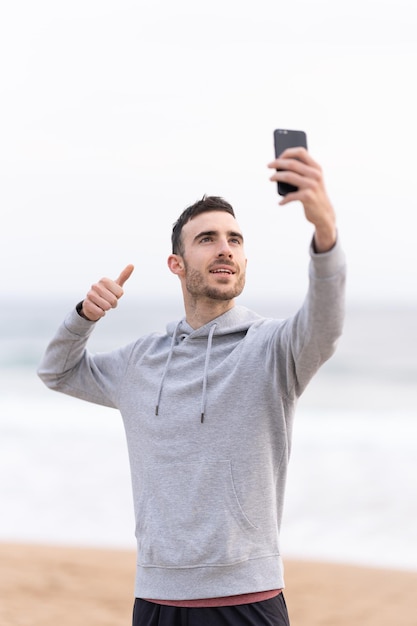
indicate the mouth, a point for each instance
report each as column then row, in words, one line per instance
column 222, row 270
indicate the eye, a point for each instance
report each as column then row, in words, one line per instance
column 206, row 239
column 236, row 240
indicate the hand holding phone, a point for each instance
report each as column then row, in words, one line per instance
column 283, row 139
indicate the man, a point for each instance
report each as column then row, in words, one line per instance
column 208, row 410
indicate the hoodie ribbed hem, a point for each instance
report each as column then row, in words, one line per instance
column 209, row 581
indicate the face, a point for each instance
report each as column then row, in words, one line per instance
column 213, row 262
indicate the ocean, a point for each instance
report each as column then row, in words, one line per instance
column 352, row 488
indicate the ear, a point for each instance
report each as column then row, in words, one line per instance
column 175, row 263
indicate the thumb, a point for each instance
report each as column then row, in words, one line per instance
column 124, row 275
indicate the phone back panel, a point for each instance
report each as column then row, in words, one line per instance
column 283, row 139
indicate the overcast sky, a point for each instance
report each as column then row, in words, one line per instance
column 116, row 115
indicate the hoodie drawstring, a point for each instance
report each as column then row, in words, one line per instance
column 171, row 350
column 205, row 374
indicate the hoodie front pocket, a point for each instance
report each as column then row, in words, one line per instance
column 189, row 515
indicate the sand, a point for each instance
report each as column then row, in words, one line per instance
column 50, row 585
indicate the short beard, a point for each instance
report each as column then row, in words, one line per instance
column 197, row 287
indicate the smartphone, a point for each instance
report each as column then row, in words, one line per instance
column 283, row 139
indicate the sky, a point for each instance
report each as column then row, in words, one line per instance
column 115, row 116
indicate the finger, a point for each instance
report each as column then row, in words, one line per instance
column 290, row 197
column 103, row 295
column 125, row 275
column 301, row 154
column 92, row 311
column 296, row 173
column 287, row 164
column 291, row 178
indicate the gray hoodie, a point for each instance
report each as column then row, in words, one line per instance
column 208, row 415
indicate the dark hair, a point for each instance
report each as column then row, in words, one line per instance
column 207, row 203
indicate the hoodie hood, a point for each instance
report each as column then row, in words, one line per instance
column 236, row 320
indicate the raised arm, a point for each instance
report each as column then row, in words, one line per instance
column 68, row 367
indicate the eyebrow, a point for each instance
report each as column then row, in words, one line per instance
column 212, row 233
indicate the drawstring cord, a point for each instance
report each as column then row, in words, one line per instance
column 205, row 376
column 171, row 350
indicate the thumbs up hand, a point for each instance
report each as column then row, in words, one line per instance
column 104, row 295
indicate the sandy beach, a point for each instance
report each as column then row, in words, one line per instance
column 48, row 585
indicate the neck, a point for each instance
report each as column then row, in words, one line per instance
column 199, row 314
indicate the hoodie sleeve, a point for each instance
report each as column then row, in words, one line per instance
column 68, row 367
column 311, row 336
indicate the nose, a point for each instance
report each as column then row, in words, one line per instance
column 224, row 249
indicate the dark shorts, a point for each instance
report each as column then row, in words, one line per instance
column 271, row 612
